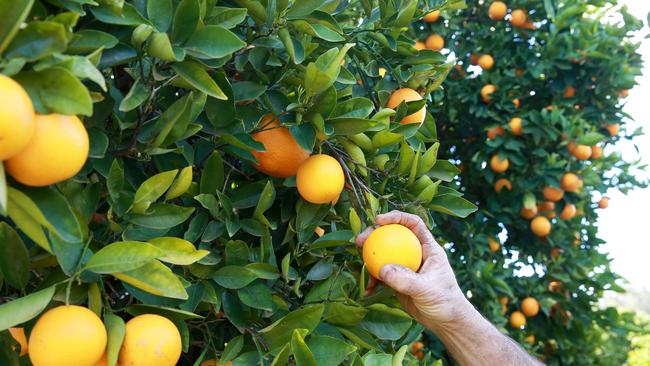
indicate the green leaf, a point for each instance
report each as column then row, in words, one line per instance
column 196, row 76
column 590, row 138
column 452, row 205
column 226, row 17
column 139, row 309
column 14, row 14
column 321, row 74
column 128, row 16
column 232, row 349
column 25, row 308
column 151, row 189
column 279, row 333
column 116, row 330
column 181, row 184
column 346, row 315
column 56, row 90
column 301, row 353
column 350, row 126
column 59, row 212
column 443, row 170
column 122, row 256
column 175, row 116
column 37, row 40
column 162, row 216
column 154, row 278
column 14, row 258
column 256, row 295
column 266, row 201
column 353, row 108
column 89, row 40
column 178, row 251
column 28, row 217
column 247, row 90
column 160, row 13
column 234, row 277
column 161, row 47
column 304, row 7
column 137, row 95
column 186, row 19
column 329, row 351
column 212, row 176
column 386, row 323
column 201, row 43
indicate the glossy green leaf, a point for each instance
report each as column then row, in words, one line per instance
column 279, row 333
column 152, row 189
column 201, row 42
column 177, row 251
column 212, row 177
column 160, row 13
column 329, row 351
column 301, row 353
column 56, row 90
column 115, row 328
column 234, row 277
column 385, row 322
column 122, row 256
column 162, row 216
column 196, row 75
column 28, row 217
column 181, row 184
column 186, row 19
column 14, row 258
column 14, row 12
column 37, row 40
column 137, row 95
column 154, row 278
column 25, row 308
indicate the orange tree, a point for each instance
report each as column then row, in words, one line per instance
column 157, row 177
column 530, row 113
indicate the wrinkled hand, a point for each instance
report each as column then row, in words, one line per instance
column 432, row 295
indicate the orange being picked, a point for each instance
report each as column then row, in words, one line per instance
column 320, row 179
column 407, row 95
column 502, row 183
column 603, row 203
column 493, row 132
column 518, row 18
column 486, row 91
column 435, row 42
column 431, row 17
column 528, row 213
column 553, row 194
column 486, row 62
column 150, row 340
column 283, row 155
column 16, row 118
column 517, row 319
column 568, row 212
column 581, row 152
column 570, row 182
column 494, row 245
column 18, row 334
column 530, row 306
column 515, row 126
column 392, row 244
column 499, row 165
column 497, row 10
column 540, row 226
column 67, row 335
column 56, row 152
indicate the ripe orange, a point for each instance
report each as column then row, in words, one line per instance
column 603, row 203
column 499, row 165
column 546, row 206
column 530, row 339
column 596, row 152
column 493, row 132
column 515, row 126
column 528, row 213
column 392, row 244
column 67, row 335
column 419, row 45
column 516, row 102
column 517, row 319
column 486, row 62
column 497, row 10
column 486, row 91
column 570, row 182
column 555, row 286
column 407, row 95
column 417, row 349
column 494, row 245
column 320, row 179
column 530, row 306
column 16, row 118
column 518, row 18
column 501, row 184
column 623, row 93
column 582, row 152
column 473, row 59
column 431, row 17
column 283, row 155
column 435, row 42
column 56, row 152
column 504, row 304
column 571, row 147
column 150, row 340
column 540, row 226
column 569, row 92
column 613, row 128
column 18, row 334
column 568, row 212
column 553, row 194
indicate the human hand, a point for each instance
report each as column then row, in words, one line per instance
column 432, row 295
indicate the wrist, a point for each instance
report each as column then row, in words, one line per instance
column 461, row 313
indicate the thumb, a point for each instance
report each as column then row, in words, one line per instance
column 400, row 278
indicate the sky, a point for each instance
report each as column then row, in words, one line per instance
column 625, row 224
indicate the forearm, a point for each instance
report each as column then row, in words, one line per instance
column 472, row 340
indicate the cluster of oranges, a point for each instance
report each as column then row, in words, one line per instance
column 74, row 335
column 434, row 42
column 529, row 308
column 38, row 150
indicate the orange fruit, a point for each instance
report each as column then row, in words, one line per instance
column 150, row 340
column 486, row 62
column 516, row 102
column 540, row 226
column 319, row 231
column 435, row 42
column 407, row 95
column 473, row 59
column 283, row 155
column 494, row 245
column 553, row 194
column 504, row 304
column 419, row 45
column 515, row 126
column 517, row 319
column 623, row 93
column 582, row 152
column 417, row 349
column 518, row 18
column 56, row 152
column 493, row 132
column 499, row 165
column 18, row 334
column 569, row 92
column 497, row 10
column 392, row 244
column 16, row 118
column 571, row 147
column 320, row 179
column 486, row 91
column 528, row 213
column 530, row 339
column 603, row 203
column 67, row 335
column 570, row 182
column 568, row 212
column 546, row 206
column 431, row 17
column 555, row 286
column 530, row 306
column 596, row 152
column 501, row 184
column 613, row 128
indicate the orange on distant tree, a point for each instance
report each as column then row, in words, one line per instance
column 486, row 91
column 570, row 182
column 486, row 62
column 528, row 213
column 407, row 95
column 623, row 93
column 515, row 126
column 504, row 304
column 530, row 306
column 392, row 244
column 473, row 59
column 540, row 226
column 283, row 154
column 517, row 319
column 435, row 42
column 553, row 194
column 569, row 92
column 320, row 179
column 497, row 10
column 555, row 286
column 16, row 118
column 568, row 212
column 150, row 340
column 596, row 152
column 502, row 183
column 603, row 203
column 613, row 128
column 493, row 132
column 518, row 18
column 582, row 152
column 530, row 339
column 546, row 206
column 417, row 349
column 431, row 17
column 516, row 102
column 57, row 151
column 499, row 165
column 494, row 245
column 67, row 335
column 419, row 45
